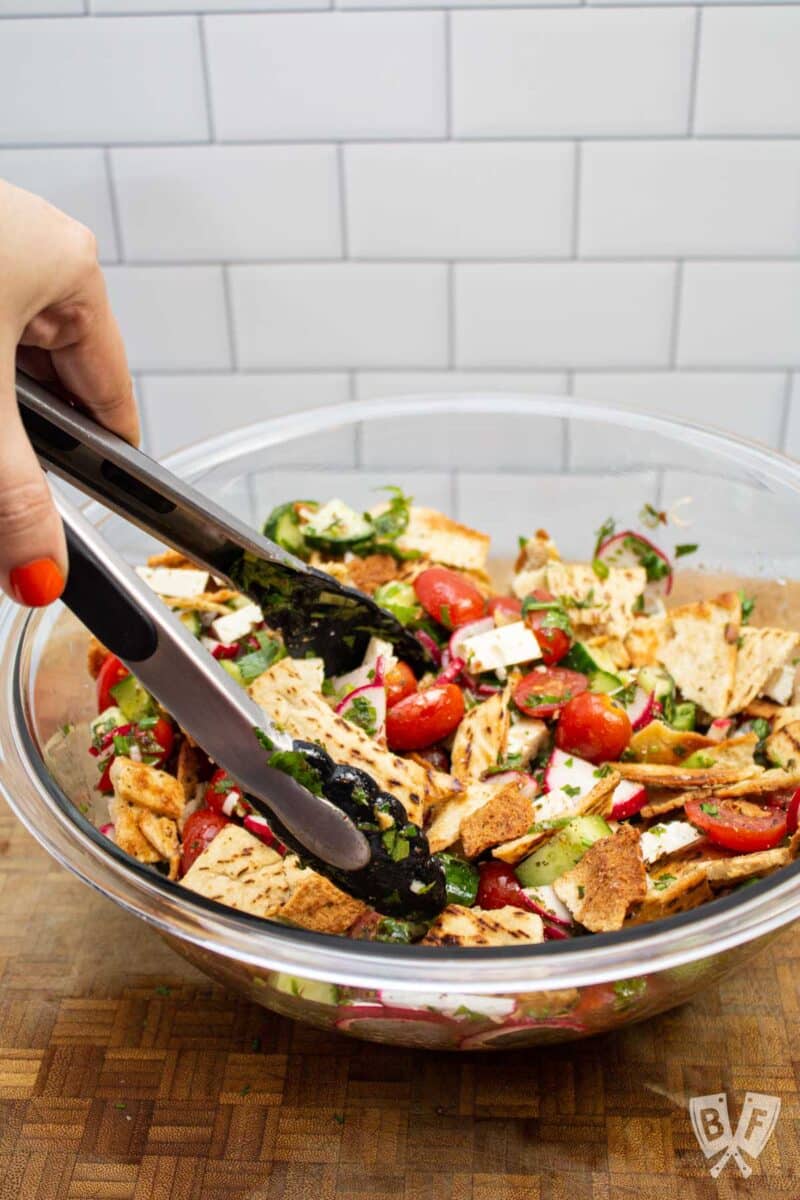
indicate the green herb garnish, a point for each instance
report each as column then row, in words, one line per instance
column 686, row 548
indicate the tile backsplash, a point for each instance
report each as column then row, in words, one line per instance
column 300, row 202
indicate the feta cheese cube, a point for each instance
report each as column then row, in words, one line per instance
column 498, row 648
column 666, row 839
column 526, row 738
column 168, row 581
column 236, row 624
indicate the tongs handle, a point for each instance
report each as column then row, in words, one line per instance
column 104, row 466
column 131, row 621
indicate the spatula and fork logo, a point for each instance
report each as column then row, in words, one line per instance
column 712, row 1128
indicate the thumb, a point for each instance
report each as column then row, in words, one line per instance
column 33, row 555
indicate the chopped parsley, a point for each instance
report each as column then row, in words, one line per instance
column 581, row 891
column 710, row 809
column 655, row 566
column 748, row 605
column 362, row 712
column 606, row 530
column 291, row 762
column 602, row 772
column 685, row 548
column 651, row 518
column 601, row 569
column 627, row 991
column 571, row 791
column 663, row 882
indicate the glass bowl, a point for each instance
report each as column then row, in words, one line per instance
column 507, row 464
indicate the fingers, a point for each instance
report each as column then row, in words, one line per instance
column 87, row 353
column 33, row 557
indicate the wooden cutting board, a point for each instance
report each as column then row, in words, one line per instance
column 126, row 1075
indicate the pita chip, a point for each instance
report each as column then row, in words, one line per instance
column 597, row 606
column 606, row 883
column 702, row 651
column 658, row 776
column 670, row 890
column 445, row 541
column 598, row 800
column 762, row 653
column 480, row 738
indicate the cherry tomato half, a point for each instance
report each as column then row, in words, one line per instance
column 448, row 597
column 499, row 886
column 400, row 682
column 163, row 733
column 424, row 718
column 199, row 832
column 737, row 824
column 111, row 672
column 554, row 641
column 505, row 609
column 593, row 727
column 542, row 693
column 793, row 812
column 219, row 792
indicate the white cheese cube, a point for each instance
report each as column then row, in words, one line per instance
column 666, row 839
column 498, row 648
column 780, row 685
column 236, row 624
column 525, row 738
column 169, row 581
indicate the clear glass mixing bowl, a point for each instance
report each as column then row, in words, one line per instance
column 565, row 465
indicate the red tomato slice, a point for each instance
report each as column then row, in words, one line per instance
column 593, row 727
column 400, row 682
column 199, row 832
column 164, row 734
column 543, row 693
column 219, row 791
column 554, row 642
column 793, row 812
column 109, row 675
column 499, row 886
column 448, row 597
column 737, row 824
column 505, row 609
column 424, row 718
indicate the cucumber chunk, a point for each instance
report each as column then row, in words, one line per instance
column 683, row 716
column 232, row 668
column 336, row 525
column 307, row 989
column 597, row 665
column 562, row 851
column 134, row 701
column 192, row 622
column 604, row 681
column 282, row 526
column 656, row 682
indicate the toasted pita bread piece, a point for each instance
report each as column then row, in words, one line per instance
column 610, row 603
column 722, row 871
column 162, row 834
column 146, row 786
column 645, row 638
column 736, row 751
column 480, row 738
column 760, row 785
column 662, row 802
column 671, row 890
column 238, row 870
column 783, row 747
column 173, row 559
column 127, row 834
column 783, row 716
column 508, row 815
column 318, row 904
column 96, row 655
column 660, row 743
column 608, row 880
column 531, row 564
column 191, row 768
column 284, row 696
column 445, row 826
column 762, row 653
column 444, row 541
column 459, row 926
column 552, row 806
column 659, row 776
column 701, row 651
column 763, row 708
column 211, row 602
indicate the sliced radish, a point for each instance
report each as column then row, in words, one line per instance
column 549, row 907
column 526, row 783
column 568, row 771
column 260, row 828
column 426, row 641
column 641, row 709
column 720, row 729
column 494, row 1008
column 378, row 659
column 621, row 551
column 365, row 707
column 483, row 625
column 400, row 1026
column 107, row 830
column 452, row 670
column 525, row 1033
column 628, row 799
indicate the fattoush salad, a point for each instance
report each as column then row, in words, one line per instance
column 583, row 757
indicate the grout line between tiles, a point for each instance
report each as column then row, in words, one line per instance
column 532, row 138
column 229, row 318
column 783, row 436
column 341, row 183
column 207, row 90
column 695, row 71
column 677, row 306
column 448, row 75
column 113, row 199
column 451, row 315
column 577, row 170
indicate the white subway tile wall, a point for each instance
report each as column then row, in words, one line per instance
column 301, row 202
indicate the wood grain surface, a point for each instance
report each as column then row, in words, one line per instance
column 126, row 1075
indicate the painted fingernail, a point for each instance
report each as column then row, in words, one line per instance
column 37, row 583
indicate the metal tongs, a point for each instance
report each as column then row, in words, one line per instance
column 313, row 611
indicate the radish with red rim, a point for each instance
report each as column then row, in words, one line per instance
column 365, row 707
column 482, row 625
column 632, row 549
column 260, row 828
column 641, row 709
column 628, row 798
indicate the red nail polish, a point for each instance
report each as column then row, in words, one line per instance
column 37, row 583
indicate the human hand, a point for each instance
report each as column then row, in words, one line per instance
column 56, row 323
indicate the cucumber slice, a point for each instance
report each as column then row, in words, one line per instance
column 656, row 682
column 108, row 719
column 604, row 681
column 232, row 668
column 589, row 660
column 400, row 599
column 132, row 698
column 684, row 716
column 282, row 526
column 192, row 622
column 560, row 854
column 336, row 525
column 307, row 989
